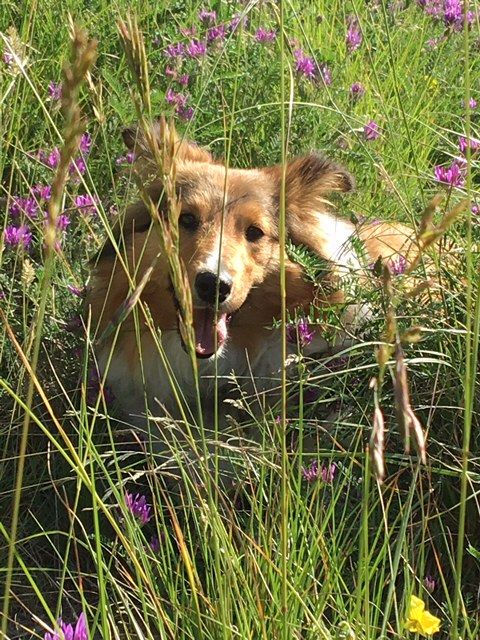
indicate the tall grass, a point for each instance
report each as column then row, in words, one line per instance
column 283, row 556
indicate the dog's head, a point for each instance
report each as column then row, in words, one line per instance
column 229, row 237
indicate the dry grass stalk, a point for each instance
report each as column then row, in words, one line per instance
column 407, row 420
column 83, row 55
column 165, row 168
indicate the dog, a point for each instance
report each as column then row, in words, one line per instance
column 229, row 245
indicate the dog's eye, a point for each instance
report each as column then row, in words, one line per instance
column 253, row 233
column 188, row 221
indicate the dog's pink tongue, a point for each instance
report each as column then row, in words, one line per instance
column 206, row 329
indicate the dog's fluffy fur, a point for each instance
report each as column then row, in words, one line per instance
column 248, row 261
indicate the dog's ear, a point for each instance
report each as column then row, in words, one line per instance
column 140, row 142
column 309, row 181
column 311, row 178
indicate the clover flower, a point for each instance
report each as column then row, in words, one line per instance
column 371, row 131
column 55, row 91
column 129, row 158
column 316, row 472
column 264, row 36
column 79, row 292
column 85, row 204
column 138, row 507
column 77, row 166
column 177, row 99
column 304, row 65
column 17, row 236
column 175, row 50
column 196, row 49
column 67, row 632
column 429, row 584
column 453, row 176
column 62, row 222
column 27, row 206
column 299, row 333
column 353, row 39
column 207, row 16
column 216, row 33
column 464, row 144
column 42, row 192
column 85, row 143
column 325, row 74
column 51, row 159
column 357, row 90
column 185, row 113
column 419, row 620
column 397, row 265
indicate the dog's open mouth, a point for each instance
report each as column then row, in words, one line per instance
column 210, row 331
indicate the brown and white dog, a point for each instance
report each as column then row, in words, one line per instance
column 242, row 268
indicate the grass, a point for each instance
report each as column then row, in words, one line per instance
column 284, row 558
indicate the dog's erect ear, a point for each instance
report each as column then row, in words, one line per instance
column 140, row 143
column 311, row 178
column 309, row 181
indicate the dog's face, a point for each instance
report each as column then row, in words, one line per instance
column 229, row 241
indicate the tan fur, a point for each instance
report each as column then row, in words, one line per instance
column 252, row 198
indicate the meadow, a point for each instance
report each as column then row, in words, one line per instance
column 358, row 539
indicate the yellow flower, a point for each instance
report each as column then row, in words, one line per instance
column 421, row 621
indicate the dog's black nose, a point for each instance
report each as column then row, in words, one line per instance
column 206, row 284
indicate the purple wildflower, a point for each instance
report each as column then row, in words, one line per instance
column 188, row 32
column 79, row 292
column 371, row 130
column 17, row 236
column 77, row 166
column 432, row 8
column 42, row 192
column 216, row 33
column 175, row 50
column 53, row 158
column 238, row 20
column 207, row 16
column 85, row 204
column 55, row 91
column 328, row 473
column 304, row 65
column 397, row 265
column 155, row 544
column 66, row 631
column 454, row 175
column 27, row 206
column 8, row 58
column 85, row 143
column 464, row 144
column 129, row 158
column 196, row 49
column 185, row 113
column 453, row 13
column 299, row 333
column 325, row 74
column 138, row 507
column 95, row 388
column 62, row 222
column 177, row 99
column 357, row 90
column 263, row 35
column 429, row 584
column 353, row 39
column 314, row 472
